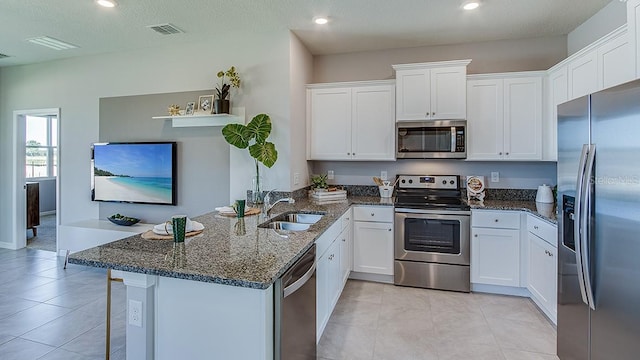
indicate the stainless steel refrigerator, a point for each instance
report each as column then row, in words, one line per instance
column 599, row 225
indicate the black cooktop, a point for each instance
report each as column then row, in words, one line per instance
column 429, row 192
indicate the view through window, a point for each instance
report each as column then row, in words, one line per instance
column 42, row 146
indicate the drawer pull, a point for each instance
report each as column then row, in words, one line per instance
column 496, row 220
column 389, row 229
column 373, row 214
column 535, row 227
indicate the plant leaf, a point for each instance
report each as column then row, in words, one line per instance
column 235, row 135
column 259, row 128
column 265, row 153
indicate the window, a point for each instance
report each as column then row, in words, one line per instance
column 42, row 147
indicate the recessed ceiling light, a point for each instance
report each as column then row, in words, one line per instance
column 471, row 5
column 320, row 20
column 107, row 3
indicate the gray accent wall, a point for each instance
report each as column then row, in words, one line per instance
column 603, row 22
column 47, row 195
column 202, row 159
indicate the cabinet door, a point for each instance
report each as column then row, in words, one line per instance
column 322, row 294
column 633, row 29
column 485, row 123
column 583, row 75
column 373, row 123
column 615, row 62
column 543, row 279
column 335, row 276
column 448, row 93
column 329, row 124
column 413, row 94
column 495, row 256
column 557, row 94
column 373, row 247
column 523, row 118
column 346, row 254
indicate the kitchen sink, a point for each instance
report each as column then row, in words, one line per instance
column 302, row 218
column 285, row 225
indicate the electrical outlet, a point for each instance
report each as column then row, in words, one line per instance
column 296, row 179
column 330, row 175
column 495, row 176
column 383, row 175
column 135, row 313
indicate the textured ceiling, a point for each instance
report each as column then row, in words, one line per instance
column 356, row 25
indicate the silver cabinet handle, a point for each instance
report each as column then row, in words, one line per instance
column 506, row 154
column 373, row 214
column 389, row 229
column 535, row 227
column 500, row 153
column 433, row 113
column 475, row 235
column 496, row 220
column 348, row 153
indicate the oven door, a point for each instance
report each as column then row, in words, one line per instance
column 441, row 237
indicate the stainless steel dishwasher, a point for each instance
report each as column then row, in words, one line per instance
column 295, row 310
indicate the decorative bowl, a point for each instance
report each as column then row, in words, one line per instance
column 122, row 220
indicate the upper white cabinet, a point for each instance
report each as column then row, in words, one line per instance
column 557, row 93
column 583, row 74
column 633, row 28
column 351, row 121
column 431, row 91
column 505, row 116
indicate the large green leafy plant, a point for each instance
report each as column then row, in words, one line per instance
column 263, row 151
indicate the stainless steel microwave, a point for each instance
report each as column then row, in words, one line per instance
column 439, row 139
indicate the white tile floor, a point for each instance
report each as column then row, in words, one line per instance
column 52, row 314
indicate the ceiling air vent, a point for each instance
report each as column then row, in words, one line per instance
column 2, row 56
column 165, row 29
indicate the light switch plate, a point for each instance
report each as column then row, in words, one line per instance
column 330, row 175
column 495, row 176
column 383, row 175
column 135, row 313
column 296, row 179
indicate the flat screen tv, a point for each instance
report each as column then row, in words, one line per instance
column 134, row 172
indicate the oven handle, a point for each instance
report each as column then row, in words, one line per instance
column 432, row 212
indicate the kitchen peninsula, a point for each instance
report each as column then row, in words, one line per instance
column 219, row 295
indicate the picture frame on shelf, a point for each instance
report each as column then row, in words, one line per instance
column 191, row 106
column 205, row 104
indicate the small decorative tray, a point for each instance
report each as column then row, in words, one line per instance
column 122, row 220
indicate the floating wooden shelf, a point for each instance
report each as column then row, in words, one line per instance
column 237, row 117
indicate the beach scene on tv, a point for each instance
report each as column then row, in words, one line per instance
column 133, row 173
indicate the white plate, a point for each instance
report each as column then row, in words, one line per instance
column 161, row 230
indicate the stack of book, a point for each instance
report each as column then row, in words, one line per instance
column 328, row 196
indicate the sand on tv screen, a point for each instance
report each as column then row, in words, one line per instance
column 134, row 172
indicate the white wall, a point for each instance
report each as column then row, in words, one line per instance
column 488, row 57
column 513, row 175
column 77, row 84
column 603, row 22
column 301, row 73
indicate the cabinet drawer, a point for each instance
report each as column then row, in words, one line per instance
column 544, row 230
column 373, row 213
column 326, row 239
column 496, row 219
column 346, row 219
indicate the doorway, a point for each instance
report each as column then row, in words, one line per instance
column 36, row 184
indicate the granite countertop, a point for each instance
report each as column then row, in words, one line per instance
column 544, row 211
column 223, row 253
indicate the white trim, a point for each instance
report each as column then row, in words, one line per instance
column 18, row 198
column 507, row 75
column 138, row 280
column 429, row 65
column 351, row 84
column 45, row 213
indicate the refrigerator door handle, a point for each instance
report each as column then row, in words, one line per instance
column 577, row 224
column 585, row 238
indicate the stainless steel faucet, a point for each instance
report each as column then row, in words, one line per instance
column 267, row 206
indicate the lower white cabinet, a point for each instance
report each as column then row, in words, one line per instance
column 373, row 240
column 333, row 265
column 495, row 248
column 543, row 265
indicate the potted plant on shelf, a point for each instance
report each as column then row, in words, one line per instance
column 221, row 102
column 262, row 151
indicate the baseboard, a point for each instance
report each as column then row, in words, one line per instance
column 50, row 212
column 388, row 279
column 502, row 290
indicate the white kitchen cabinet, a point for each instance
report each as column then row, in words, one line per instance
column 431, row 91
column 373, row 240
column 615, row 61
column 543, row 265
column 351, row 121
column 633, row 28
column 557, row 93
column 346, row 254
column 505, row 116
column 583, row 74
column 495, row 248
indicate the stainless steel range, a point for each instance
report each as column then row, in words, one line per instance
column 432, row 247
